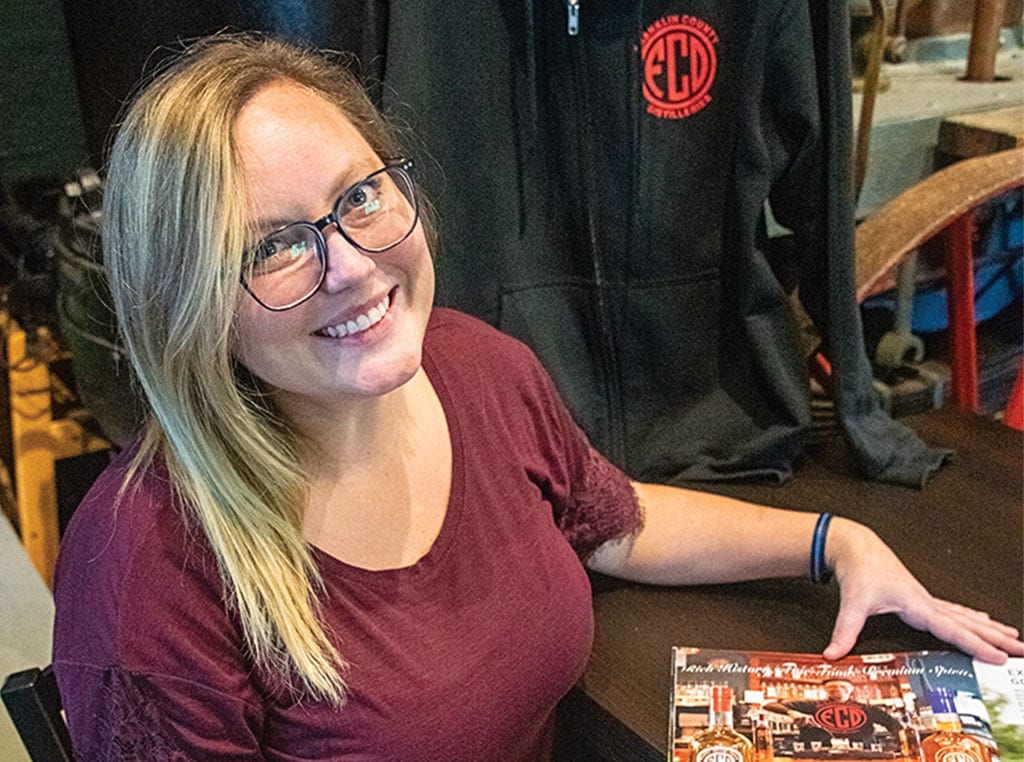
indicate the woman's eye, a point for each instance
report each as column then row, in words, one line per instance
column 271, row 255
column 261, row 252
column 362, row 201
column 357, row 197
column 265, row 250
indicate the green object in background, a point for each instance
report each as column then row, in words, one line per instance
column 1009, row 737
column 41, row 132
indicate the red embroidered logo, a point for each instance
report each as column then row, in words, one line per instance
column 679, row 65
column 841, row 718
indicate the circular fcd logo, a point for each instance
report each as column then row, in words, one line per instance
column 679, row 65
column 841, row 718
column 955, row 755
column 719, row 754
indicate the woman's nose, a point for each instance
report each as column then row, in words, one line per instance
column 347, row 264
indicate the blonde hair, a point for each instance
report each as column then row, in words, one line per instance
column 174, row 227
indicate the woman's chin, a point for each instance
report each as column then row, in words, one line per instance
column 390, row 376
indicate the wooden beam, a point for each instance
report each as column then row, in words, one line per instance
column 920, row 212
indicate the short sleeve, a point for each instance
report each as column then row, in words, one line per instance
column 592, row 500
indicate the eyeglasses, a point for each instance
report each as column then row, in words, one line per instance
column 288, row 266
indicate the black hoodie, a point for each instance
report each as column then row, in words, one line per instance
column 602, row 197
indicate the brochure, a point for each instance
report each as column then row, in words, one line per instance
column 868, row 707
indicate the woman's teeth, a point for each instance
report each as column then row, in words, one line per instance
column 359, row 323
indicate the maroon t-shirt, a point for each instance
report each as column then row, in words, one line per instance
column 461, row 656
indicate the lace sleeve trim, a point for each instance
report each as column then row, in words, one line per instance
column 604, row 507
column 129, row 720
column 134, row 727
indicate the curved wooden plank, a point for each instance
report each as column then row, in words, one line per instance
column 920, row 212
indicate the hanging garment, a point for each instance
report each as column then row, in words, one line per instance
column 602, row 196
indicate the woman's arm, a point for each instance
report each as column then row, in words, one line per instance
column 693, row 538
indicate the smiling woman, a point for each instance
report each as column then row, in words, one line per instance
column 178, row 213
column 356, row 526
column 312, row 490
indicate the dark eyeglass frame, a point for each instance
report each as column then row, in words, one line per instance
column 404, row 167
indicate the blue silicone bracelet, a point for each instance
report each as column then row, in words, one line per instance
column 820, row 573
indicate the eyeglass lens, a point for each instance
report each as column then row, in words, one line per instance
column 287, row 266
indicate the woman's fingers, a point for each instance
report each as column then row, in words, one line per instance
column 981, row 617
column 981, row 632
column 967, row 633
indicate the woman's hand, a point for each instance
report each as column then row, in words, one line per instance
column 872, row 580
column 694, row 538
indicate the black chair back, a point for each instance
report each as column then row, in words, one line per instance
column 33, row 701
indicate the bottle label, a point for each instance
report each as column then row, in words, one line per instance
column 725, row 754
column 955, row 754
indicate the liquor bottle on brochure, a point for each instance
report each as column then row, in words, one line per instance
column 910, row 739
column 950, row 743
column 719, row 742
column 764, row 741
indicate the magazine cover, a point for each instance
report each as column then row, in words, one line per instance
column 913, row 707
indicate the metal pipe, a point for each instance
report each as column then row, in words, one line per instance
column 896, row 46
column 963, row 341
column 872, row 76
column 981, row 55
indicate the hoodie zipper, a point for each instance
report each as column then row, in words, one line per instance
column 607, row 303
column 572, row 9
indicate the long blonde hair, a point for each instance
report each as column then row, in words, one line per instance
column 174, row 227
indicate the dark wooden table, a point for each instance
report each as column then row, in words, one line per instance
column 961, row 536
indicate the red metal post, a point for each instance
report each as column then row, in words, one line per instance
column 963, row 349
column 1014, row 415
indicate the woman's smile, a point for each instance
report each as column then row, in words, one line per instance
column 358, row 324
